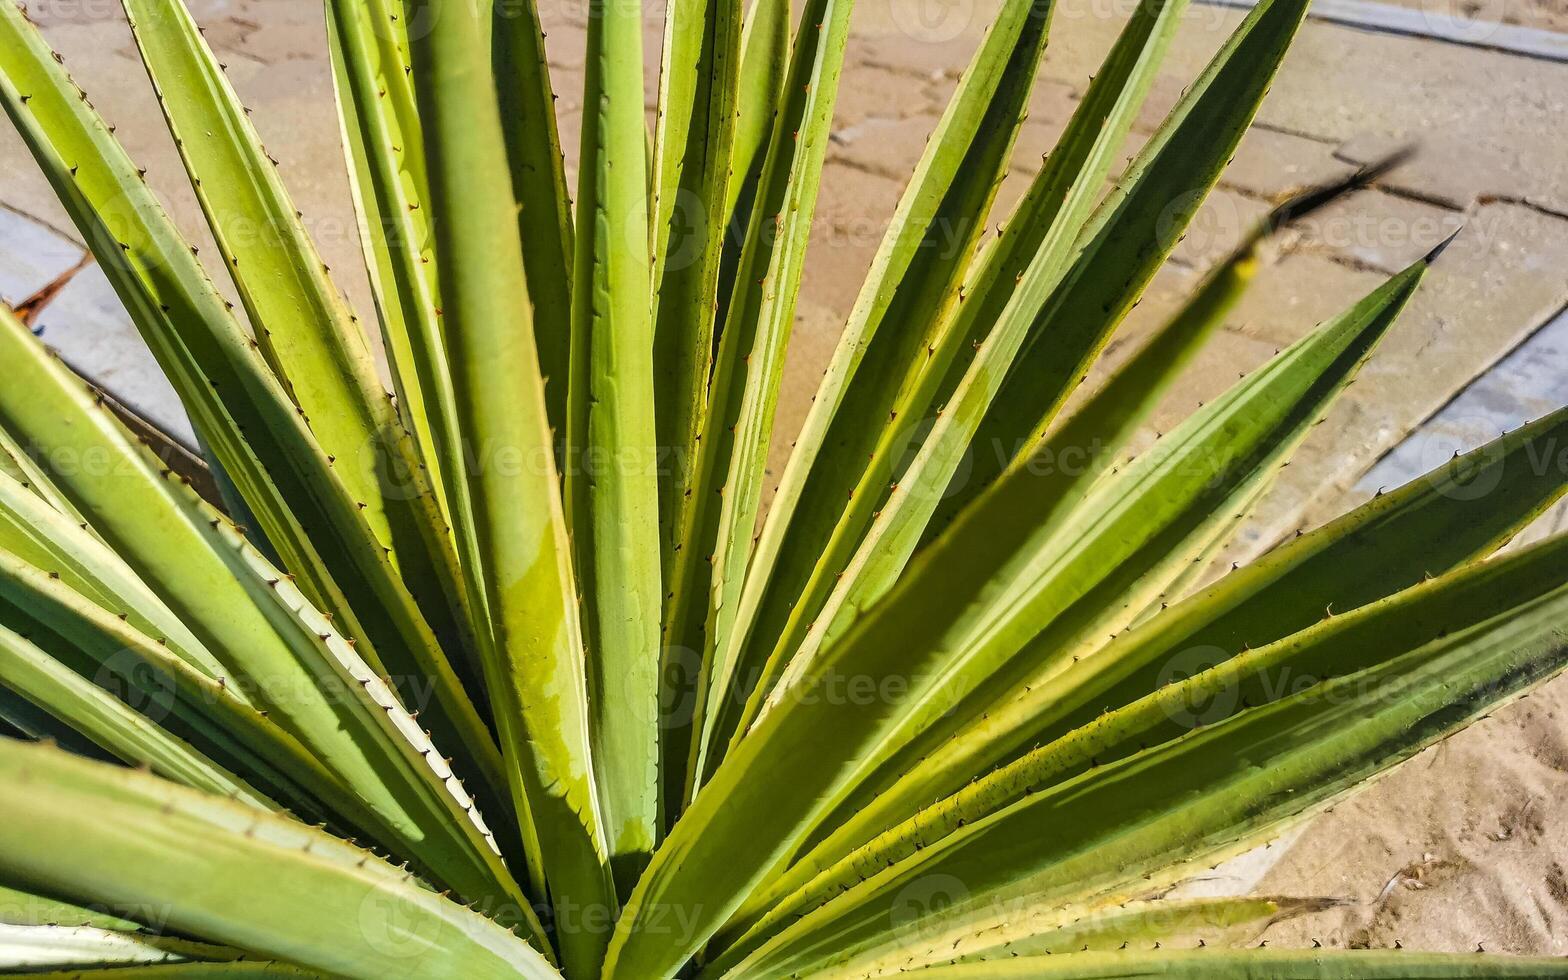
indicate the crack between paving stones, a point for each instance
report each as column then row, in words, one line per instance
column 1522, row 202
column 69, row 236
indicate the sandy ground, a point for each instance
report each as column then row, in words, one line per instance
column 1464, row 847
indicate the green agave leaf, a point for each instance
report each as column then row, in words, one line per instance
column 254, row 619
column 385, row 154
column 1140, row 528
column 24, row 720
column 1199, row 568
column 1176, row 923
column 695, row 160
column 244, row 415
column 303, row 326
column 766, row 55
column 208, row 714
column 612, row 449
column 743, row 394
column 1463, row 510
column 1388, row 690
column 22, row 908
column 1105, row 424
column 888, row 509
column 16, row 464
column 12, row 462
column 544, row 221
column 56, row 121
column 32, row 949
column 1254, row 963
column 382, row 140
column 47, row 538
column 240, row 970
column 416, row 805
column 233, row 504
column 27, row 949
column 513, row 537
column 970, row 602
column 1082, row 158
column 1075, row 458
column 109, row 722
column 1466, row 509
column 314, row 343
column 171, row 451
column 765, row 58
column 1139, row 925
column 1363, row 640
column 912, row 286
column 1132, row 234
column 85, row 830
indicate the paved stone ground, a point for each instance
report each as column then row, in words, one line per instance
column 1490, row 124
column 1549, row 14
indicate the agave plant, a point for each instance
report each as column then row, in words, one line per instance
column 512, row 674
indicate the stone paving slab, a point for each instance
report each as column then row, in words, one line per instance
column 1525, row 29
column 1502, row 278
column 1273, row 165
column 1485, row 21
column 1279, row 311
column 1378, row 231
column 1490, row 123
column 35, row 256
column 1524, row 386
